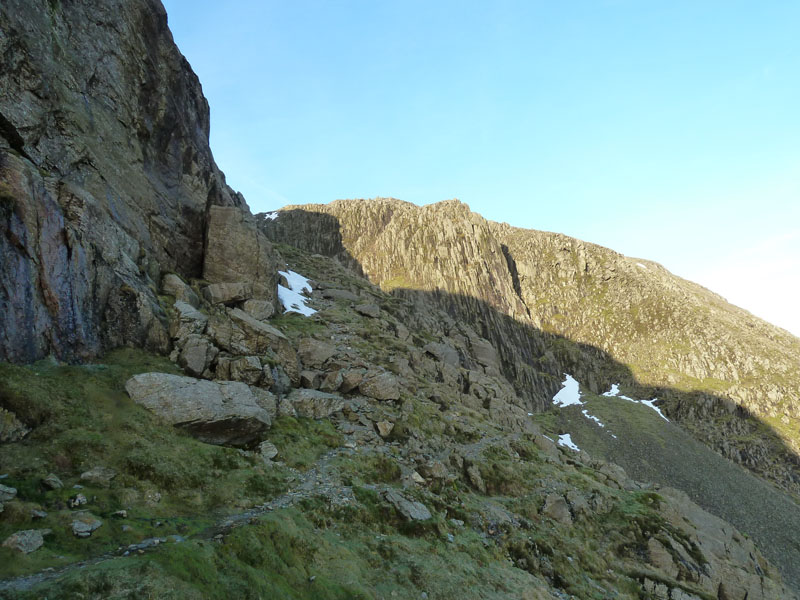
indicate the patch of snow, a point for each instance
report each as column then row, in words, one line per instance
column 296, row 282
column 530, row 414
column 613, row 436
column 570, row 394
column 566, row 441
column 654, row 407
column 586, row 414
column 614, row 391
column 641, row 265
column 271, row 215
column 292, row 297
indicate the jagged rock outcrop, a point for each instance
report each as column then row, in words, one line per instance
column 106, row 176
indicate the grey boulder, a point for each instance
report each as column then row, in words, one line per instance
column 223, row 413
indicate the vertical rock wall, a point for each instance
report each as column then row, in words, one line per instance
column 106, row 176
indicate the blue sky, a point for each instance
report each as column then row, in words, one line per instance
column 665, row 130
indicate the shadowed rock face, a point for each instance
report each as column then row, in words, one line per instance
column 106, row 175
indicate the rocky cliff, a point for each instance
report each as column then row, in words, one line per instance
column 550, row 303
column 106, row 176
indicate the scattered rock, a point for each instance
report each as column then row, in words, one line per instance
column 84, row 524
column 474, row 476
column 189, row 320
column 37, row 513
column 247, row 369
column 351, row 379
column 310, row 379
column 443, row 353
column 7, row 493
column 76, row 501
column 228, row 292
column 409, row 509
column 314, row 404
column 52, row 482
column 313, row 353
column 100, row 476
column 334, row 294
column 223, row 413
column 331, row 382
column 267, row 450
column 197, row 354
column 26, row 541
column 260, row 310
column 380, row 386
column 368, row 310
column 11, row 428
column 174, row 286
column 556, row 507
column 120, row 514
column 384, row 429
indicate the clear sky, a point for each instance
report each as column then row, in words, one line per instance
column 668, row 130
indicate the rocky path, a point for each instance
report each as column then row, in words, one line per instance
column 319, row 480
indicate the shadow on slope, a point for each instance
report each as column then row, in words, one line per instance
column 534, row 361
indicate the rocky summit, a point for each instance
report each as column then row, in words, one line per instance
column 365, row 399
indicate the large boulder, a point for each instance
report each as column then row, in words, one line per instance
column 237, row 251
column 26, row 541
column 224, row 413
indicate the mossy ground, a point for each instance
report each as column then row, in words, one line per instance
column 168, row 482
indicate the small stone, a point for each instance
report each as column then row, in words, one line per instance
column 384, row 429
column 7, row 493
column 120, row 514
column 267, row 450
column 85, row 524
column 100, row 476
column 76, row 501
column 52, row 482
column 368, row 310
column 380, row 386
column 409, row 509
column 126, row 528
column 312, row 578
column 38, row 514
column 556, row 507
column 417, row 478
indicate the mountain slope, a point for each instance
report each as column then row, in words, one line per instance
column 726, row 375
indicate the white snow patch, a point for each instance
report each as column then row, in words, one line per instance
column 292, row 297
column 570, row 394
column 641, row 265
column 547, row 436
column 566, row 441
column 586, row 414
column 614, row 391
column 613, row 436
column 654, row 407
column 271, row 215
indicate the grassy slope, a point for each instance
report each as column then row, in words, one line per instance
column 650, row 449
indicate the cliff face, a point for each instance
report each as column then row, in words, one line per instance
column 106, row 175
